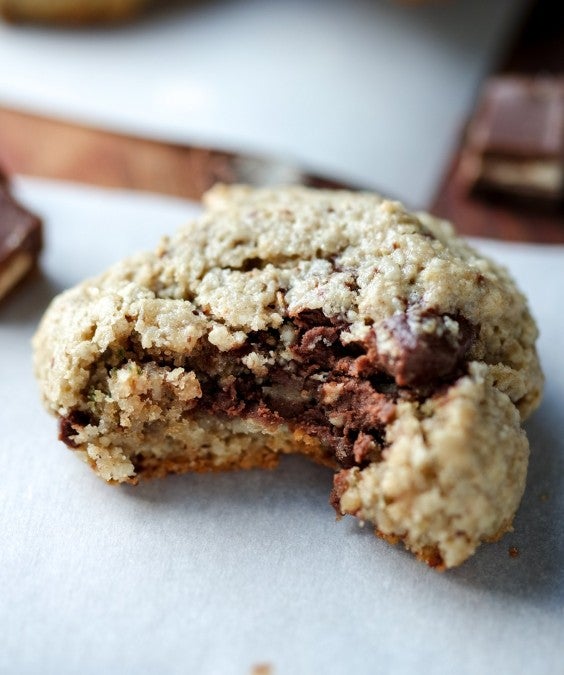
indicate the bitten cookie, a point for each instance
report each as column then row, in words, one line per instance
column 334, row 324
column 69, row 11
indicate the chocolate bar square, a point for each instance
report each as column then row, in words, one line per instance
column 515, row 142
column 20, row 239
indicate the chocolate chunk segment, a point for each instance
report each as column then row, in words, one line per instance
column 20, row 240
column 422, row 348
column 71, row 425
column 322, row 388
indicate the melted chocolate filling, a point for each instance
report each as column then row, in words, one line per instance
column 342, row 394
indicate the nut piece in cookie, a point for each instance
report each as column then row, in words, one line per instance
column 328, row 323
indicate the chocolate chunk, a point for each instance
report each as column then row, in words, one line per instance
column 286, row 394
column 355, row 404
column 20, row 239
column 313, row 318
column 422, row 348
column 316, row 346
column 71, row 425
column 515, row 143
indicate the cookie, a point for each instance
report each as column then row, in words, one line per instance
column 70, row 11
column 329, row 323
column 21, row 239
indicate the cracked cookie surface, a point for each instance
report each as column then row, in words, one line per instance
column 329, row 323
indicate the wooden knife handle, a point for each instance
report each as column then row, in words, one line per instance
column 49, row 148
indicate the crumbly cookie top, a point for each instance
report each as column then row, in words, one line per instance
column 257, row 257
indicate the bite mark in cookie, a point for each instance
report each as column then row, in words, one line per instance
column 332, row 324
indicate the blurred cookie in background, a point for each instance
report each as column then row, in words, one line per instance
column 70, row 11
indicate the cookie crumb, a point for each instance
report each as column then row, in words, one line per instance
column 513, row 552
column 262, row 669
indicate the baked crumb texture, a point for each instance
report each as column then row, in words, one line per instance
column 333, row 324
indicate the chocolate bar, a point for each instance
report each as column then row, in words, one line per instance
column 515, row 141
column 20, row 239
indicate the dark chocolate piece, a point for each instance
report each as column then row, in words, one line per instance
column 71, row 425
column 419, row 357
column 20, row 239
column 515, row 141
